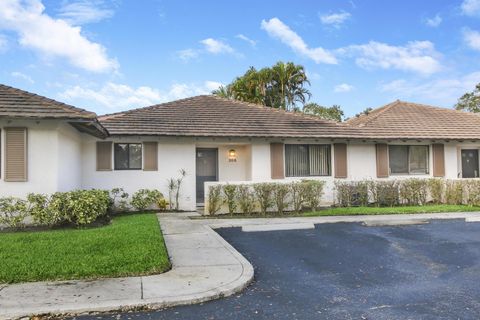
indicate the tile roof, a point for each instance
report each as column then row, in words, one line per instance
column 406, row 120
column 212, row 116
column 17, row 103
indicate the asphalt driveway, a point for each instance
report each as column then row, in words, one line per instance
column 349, row 271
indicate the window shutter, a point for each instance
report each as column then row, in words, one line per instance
column 276, row 158
column 150, row 156
column 15, row 154
column 382, row 160
column 104, row 156
column 340, row 159
column 438, row 160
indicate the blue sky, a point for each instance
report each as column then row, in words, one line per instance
column 107, row 56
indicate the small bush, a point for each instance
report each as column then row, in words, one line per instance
column 245, row 199
column 85, row 206
column 454, row 192
column 281, row 192
column 12, row 212
column 385, row 193
column 229, row 192
column 214, row 199
column 119, row 200
column 413, row 191
column 313, row 192
column 436, row 189
column 297, row 190
column 352, row 193
column 162, row 204
column 472, row 191
column 145, row 198
column 263, row 195
column 39, row 209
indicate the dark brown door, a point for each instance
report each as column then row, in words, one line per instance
column 469, row 163
column 207, row 169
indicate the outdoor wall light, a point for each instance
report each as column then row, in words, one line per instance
column 232, row 155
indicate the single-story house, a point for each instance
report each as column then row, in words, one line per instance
column 48, row 146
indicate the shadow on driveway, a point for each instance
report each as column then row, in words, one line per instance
column 349, row 271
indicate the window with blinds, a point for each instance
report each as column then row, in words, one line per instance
column 408, row 159
column 303, row 160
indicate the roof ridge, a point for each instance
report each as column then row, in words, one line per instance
column 376, row 113
column 62, row 105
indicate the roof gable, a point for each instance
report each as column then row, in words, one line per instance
column 18, row 103
column 209, row 115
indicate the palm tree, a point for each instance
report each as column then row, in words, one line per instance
column 289, row 85
column 224, row 92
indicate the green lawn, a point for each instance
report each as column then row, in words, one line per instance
column 391, row 210
column 130, row 245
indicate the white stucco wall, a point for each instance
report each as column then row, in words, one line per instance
column 234, row 171
column 173, row 155
column 69, row 158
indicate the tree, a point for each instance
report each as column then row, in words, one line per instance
column 364, row 112
column 334, row 112
column 281, row 86
column 470, row 101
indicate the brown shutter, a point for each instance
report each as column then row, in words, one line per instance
column 15, row 154
column 150, row 156
column 340, row 159
column 104, row 155
column 382, row 160
column 276, row 158
column 438, row 160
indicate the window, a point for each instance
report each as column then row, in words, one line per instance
column 302, row 160
column 128, row 156
column 408, row 159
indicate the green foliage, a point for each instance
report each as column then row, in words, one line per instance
column 229, row 192
column 298, row 196
column 263, row 195
column 145, row 198
column 174, row 186
column 214, row 199
column 42, row 214
column 437, row 189
column 472, row 192
column 454, row 192
column 162, row 204
column 12, row 212
column 352, row 193
column 413, row 192
column 245, row 199
column 470, row 101
column 119, row 199
column 281, row 192
column 85, row 206
column 280, row 86
column 385, row 193
column 366, row 111
column 313, row 192
column 334, row 113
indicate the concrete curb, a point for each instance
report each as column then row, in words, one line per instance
column 216, row 275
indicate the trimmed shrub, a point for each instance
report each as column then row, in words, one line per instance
column 119, row 199
column 472, row 191
column 436, row 189
column 85, row 206
column 454, row 192
column 214, row 199
column 385, row 193
column 413, row 191
column 162, row 204
column 297, row 190
column 313, row 192
column 39, row 209
column 281, row 192
column 245, row 199
column 263, row 195
column 229, row 192
column 145, row 198
column 12, row 212
column 351, row 193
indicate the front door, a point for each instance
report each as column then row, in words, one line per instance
column 207, row 169
column 470, row 163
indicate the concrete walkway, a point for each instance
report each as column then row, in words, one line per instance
column 204, row 267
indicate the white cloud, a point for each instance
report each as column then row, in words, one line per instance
column 472, row 38
column 52, row 37
column 416, row 56
column 19, row 75
column 335, row 19
column 85, row 11
column 434, row 22
column 444, row 91
column 114, row 96
column 253, row 43
column 216, row 46
column 343, row 87
column 470, row 7
column 277, row 29
column 187, row 54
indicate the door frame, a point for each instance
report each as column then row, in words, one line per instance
column 478, row 161
column 196, row 173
